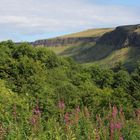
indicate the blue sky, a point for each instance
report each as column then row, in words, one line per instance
column 28, row 20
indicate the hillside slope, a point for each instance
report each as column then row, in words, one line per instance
column 89, row 33
column 119, row 45
column 122, row 36
column 105, row 46
column 87, row 36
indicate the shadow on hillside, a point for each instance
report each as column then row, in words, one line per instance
column 91, row 52
column 87, row 53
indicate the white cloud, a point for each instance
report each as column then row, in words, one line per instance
column 34, row 17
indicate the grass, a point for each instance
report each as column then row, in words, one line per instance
column 59, row 50
column 84, row 52
column 90, row 53
column 137, row 30
column 127, row 56
column 89, row 33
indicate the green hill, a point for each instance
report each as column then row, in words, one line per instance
column 89, row 33
column 112, row 46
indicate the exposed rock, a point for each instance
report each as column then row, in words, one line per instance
column 123, row 36
column 63, row 41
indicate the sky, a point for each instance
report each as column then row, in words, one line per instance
column 29, row 20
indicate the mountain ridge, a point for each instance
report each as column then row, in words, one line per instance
column 105, row 47
column 121, row 36
column 90, row 35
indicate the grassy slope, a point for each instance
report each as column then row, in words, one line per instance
column 127, row 56
column 89, row 33
column 69, row 50
column 90, row 53
column 137, row 30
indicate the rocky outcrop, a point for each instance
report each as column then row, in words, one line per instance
column 63, row 41
column 122, row 36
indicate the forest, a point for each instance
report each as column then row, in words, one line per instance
column 47, row 97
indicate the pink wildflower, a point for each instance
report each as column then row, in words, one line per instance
column 37, row 111
column 118, row 125
column 33, row 120
column 14, row 111
column 112, row 127
column 114, row 112
column 77, row 109
column 61, row 105
column 67, row 118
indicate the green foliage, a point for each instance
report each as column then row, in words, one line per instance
column 121, row 79
column 46, row 97
column 102, row 77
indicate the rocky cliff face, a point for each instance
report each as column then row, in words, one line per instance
column 63, row 41
column 123, row 36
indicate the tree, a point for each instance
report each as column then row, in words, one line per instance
column 102, row 77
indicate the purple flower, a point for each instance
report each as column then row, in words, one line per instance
column 77, row 109
column 61, row 105
column 14, row 111
column 118, row 125
column 112, row 127
column 121, row 138
column 67, row 118
column 33, row 120
column 114, row 112
column 37, row 111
